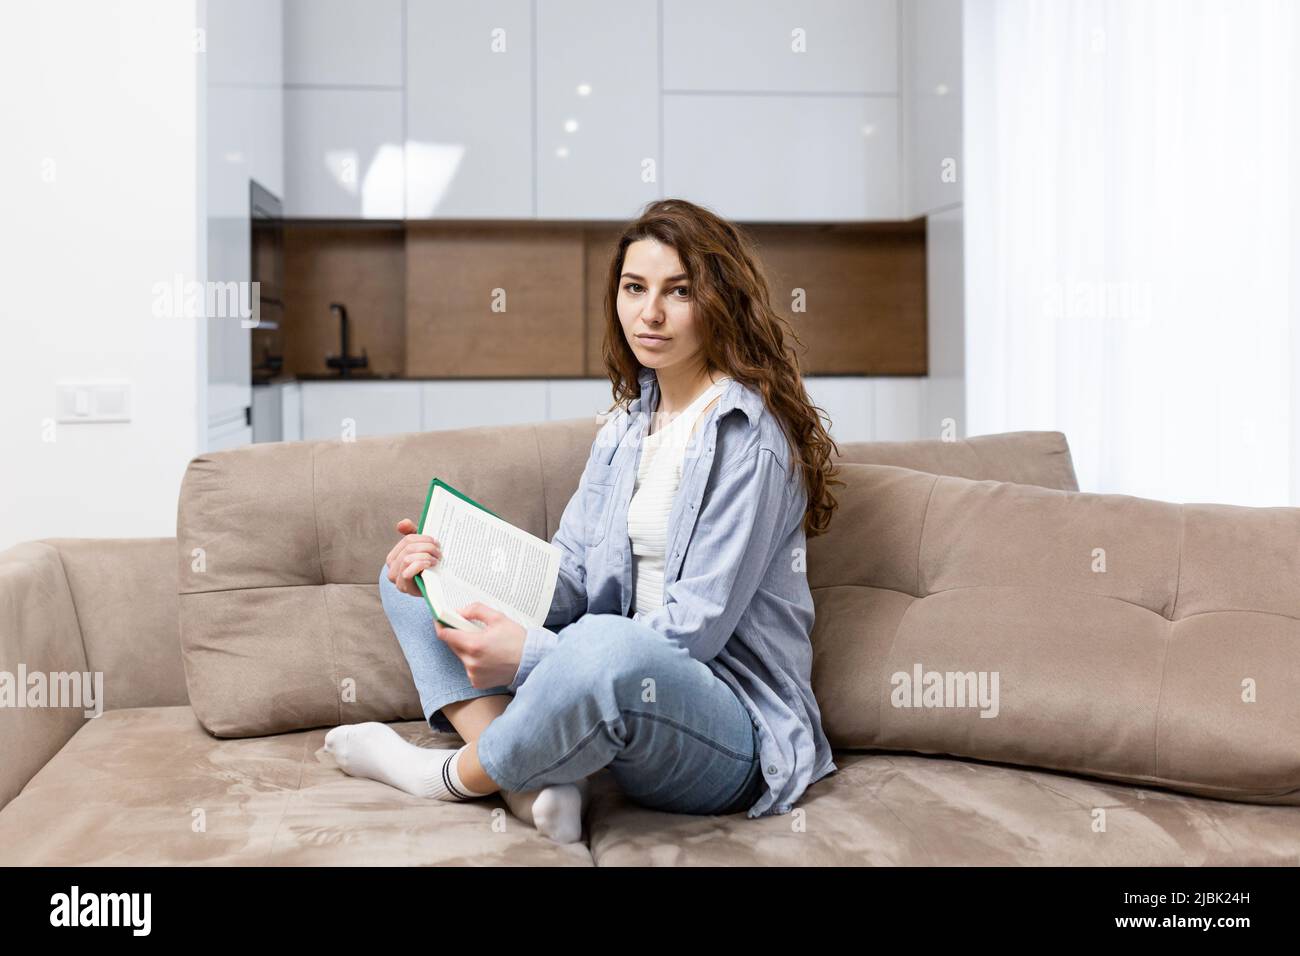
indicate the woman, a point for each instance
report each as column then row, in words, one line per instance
column 683, row 657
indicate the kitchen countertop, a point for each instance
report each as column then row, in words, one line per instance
column 313, row 377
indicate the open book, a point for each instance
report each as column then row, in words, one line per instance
column 484, row 558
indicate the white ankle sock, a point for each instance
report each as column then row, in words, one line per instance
column 556, row 811
column 376, row 751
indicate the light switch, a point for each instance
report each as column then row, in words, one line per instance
column 98, row 401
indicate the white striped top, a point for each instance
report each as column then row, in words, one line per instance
column 655, row 488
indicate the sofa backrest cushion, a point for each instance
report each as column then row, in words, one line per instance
column 280, row 547
column 1031, row 458
column 1130, row 639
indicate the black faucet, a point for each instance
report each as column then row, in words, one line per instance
column 345, row 362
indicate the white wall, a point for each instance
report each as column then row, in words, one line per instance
column 99, row 197
column 1294, row 291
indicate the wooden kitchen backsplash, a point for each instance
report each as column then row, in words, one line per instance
column 421, row 297
column 361, row 266
column 487, row 301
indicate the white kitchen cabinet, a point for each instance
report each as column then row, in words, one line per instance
column 945, row 280
column 451, row 109
column 898, row 404
column 242, row 106
column 326, row 409
column 338, row 410
column 578, row 398
column 343, row 43
column 846, row 400
column 265, row 145
column 468, row 404
column 343, row 154
column 243, row 42
column 469, row 110
column 245, row 140
column 860, row 408
column 932, row 98
column 871, row 408
column 811, row 46
column 598, row 109
column 944, row 414
column 268, row 413
column 232, row 434
column 773, row 158
column 291, row 412
column 277, row 412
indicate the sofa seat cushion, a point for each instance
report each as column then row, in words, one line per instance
column 885, row 809
column 149, row 786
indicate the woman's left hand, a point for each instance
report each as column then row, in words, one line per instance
column 491, row 656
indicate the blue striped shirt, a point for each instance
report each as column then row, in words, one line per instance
column 736, row 594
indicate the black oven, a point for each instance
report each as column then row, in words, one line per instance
column 267, row 248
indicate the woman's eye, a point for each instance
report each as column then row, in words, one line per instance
column 635, row 288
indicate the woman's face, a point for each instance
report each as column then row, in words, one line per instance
column 654, row 299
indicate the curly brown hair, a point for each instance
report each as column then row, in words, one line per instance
column 743, row 335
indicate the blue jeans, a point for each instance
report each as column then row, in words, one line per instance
column 613, row 693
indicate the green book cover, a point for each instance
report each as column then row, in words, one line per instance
column 428, row 499
column 495, row 564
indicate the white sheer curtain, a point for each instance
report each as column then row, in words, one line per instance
column 1130, row 206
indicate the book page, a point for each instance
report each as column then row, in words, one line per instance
column 489, row 560
column 445, row 605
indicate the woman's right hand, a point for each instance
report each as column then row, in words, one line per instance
column 411, row 555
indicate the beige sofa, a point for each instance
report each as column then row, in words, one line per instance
column 1148, row 710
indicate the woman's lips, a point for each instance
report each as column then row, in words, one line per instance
column 651, row 342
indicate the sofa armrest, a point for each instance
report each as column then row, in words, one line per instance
column 125, row 594
column 39, row 634
column 84, row 606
